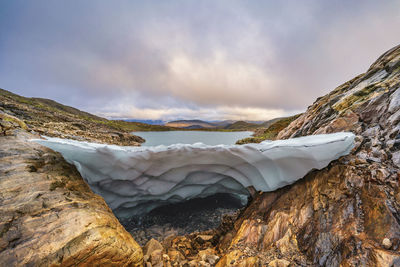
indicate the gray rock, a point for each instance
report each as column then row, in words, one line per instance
column 395, row 101
column 151, row 246
column 395, row 118
column 386, row 243
column 396, row 158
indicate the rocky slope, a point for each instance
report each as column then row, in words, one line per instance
column 347, row 214
column 49, row 215
column 50, row 118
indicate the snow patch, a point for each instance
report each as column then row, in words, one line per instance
column 135, row 180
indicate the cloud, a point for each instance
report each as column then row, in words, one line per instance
column 190, row 59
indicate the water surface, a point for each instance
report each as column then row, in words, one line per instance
column 191, row 137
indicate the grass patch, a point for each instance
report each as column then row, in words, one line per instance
column 269, row 133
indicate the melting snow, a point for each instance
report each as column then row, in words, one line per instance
column 135, row 180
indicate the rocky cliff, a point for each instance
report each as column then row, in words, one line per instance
column 347, row 214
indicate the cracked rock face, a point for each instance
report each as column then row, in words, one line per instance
column 49, row 216
column 347, row 214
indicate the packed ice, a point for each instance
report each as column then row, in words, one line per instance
column 135, row 180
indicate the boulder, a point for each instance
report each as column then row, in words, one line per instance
column 49, row 215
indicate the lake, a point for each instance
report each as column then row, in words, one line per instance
column 191, row 137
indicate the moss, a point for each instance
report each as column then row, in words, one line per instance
column 13, row 119
column 357, row 98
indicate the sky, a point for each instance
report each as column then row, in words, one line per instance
column 211, row 60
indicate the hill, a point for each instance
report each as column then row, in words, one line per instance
column 191, row 124
column 269, row 133
column 152, row 122
column 242, row 125
column 266, row 124
column 48, row 117
column 215, row 125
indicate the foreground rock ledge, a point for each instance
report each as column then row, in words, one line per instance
column 49, row 216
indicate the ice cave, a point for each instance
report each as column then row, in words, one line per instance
column 135, row 180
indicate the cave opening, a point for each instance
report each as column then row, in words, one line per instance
column 194, row 215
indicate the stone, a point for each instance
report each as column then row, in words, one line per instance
column 156, row 257
column 279, row 263
column 204, row 264
column 151, row 246
column 386, row 243
column 395, row 101
column 175, row 255
column 203, row 238
column 208, row 255
column 396, row 158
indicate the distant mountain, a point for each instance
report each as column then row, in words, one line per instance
column 191, row 124
column 152, row 122
column 242, row 125
column 225, row 124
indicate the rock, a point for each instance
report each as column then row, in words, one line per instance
column 347, row 122
column 208, row 255
column 49, row 216
column 279, row 263
column 165, row 257
column 146, row 258
column 396, row 158
column 151, row 246
column 193, row 263
column 386, row 243
column 395, row 101
column 175, row 255
column 201, row 239
column 204, row 264
column 156, row 257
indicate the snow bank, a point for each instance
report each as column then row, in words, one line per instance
column 135, row 180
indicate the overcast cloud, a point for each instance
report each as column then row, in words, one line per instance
column 251, row 60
